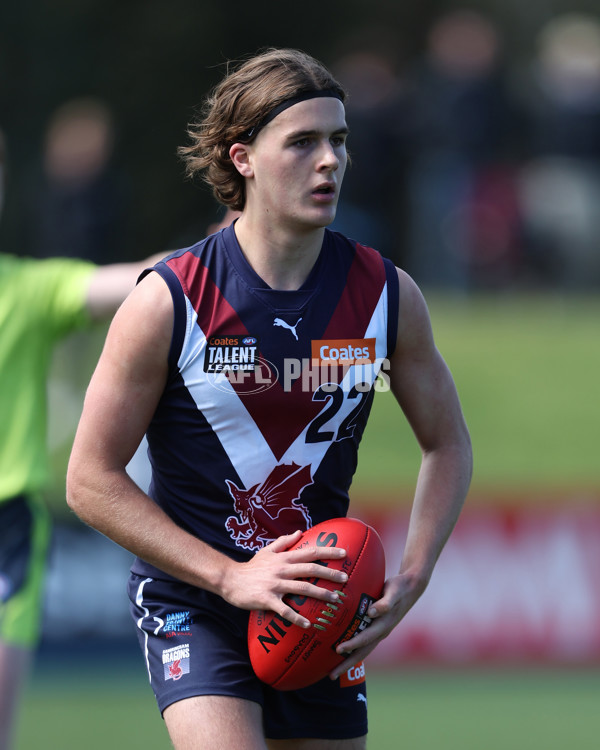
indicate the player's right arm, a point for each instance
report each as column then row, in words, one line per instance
column 121, row 399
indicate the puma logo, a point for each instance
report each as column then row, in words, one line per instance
column 361, row 697
column 283, row 324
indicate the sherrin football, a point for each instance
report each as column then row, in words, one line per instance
column 289, row 657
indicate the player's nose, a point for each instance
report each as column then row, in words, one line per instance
column 328, row 157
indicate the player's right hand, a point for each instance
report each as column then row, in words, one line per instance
column 276, row 571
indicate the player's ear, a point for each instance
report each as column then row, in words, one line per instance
column 239, row 154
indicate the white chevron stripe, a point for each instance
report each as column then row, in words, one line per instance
column 239, row 435
column 241, row 439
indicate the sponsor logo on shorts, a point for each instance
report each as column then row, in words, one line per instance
column 343, row 351
column 176, row 661
column 178, row 623
column 354, row 676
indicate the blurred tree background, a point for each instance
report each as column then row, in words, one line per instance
column 152, row 61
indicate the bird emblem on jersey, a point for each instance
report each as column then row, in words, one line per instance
column 271, row 508
column 283, row 324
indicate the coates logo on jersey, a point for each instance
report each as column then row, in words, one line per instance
column 271, row 508
column 345, row 352
column 354, row 676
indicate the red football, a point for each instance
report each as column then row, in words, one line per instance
column 289, row 657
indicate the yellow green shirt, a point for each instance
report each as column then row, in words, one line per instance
column 41, row 301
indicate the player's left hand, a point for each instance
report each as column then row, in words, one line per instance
column 400, row 592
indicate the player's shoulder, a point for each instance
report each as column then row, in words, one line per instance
column 197, row 249
column 367, row 260
column 206, row 252
column 349, row 244
column 414, row 323
column 411, row 295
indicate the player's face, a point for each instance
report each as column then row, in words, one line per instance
column 298, row 161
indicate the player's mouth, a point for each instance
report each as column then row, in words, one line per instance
column 324, row 193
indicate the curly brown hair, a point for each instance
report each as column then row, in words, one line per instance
column 236, row 107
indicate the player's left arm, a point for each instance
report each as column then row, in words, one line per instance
column 425, row 390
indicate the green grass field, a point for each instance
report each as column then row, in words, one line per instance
column 424, row 709
column 527, row 373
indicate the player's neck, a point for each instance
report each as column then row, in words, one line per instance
column 282, row 258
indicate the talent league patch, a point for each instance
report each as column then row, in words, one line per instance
column 231, row 354
column 176, row 661
column 343, row 351
column 354, row 676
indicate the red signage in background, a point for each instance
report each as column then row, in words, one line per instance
column 512, row 585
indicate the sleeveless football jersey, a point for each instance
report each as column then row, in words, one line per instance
column 257, row 432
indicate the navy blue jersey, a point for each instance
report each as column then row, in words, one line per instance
column 257, row 431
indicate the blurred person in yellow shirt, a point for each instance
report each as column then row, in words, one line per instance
column 41, row 302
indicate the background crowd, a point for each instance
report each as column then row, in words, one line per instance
column 473, row 167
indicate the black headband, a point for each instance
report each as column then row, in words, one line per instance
column 302, row 97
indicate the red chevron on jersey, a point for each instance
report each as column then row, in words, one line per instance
column 365, row 282
column 239, row 465
column 355, row 302
column 213, row 310
column 216, row 316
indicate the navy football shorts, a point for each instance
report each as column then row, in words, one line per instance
column 195, row 643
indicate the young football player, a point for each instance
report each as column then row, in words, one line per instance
column 250, row 361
